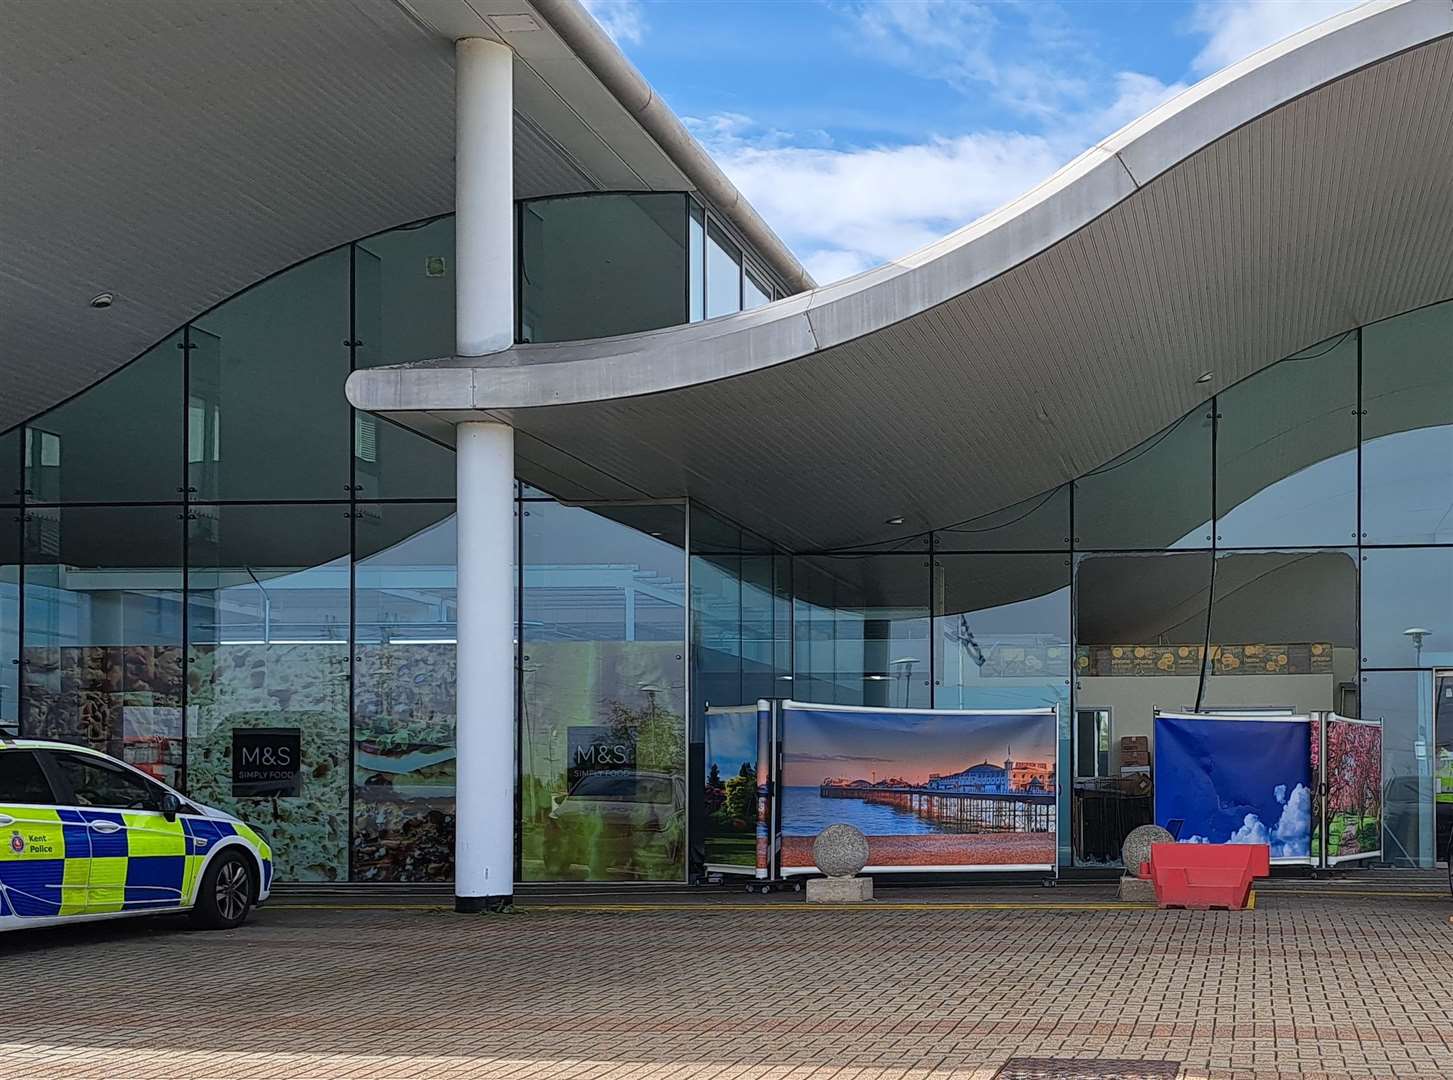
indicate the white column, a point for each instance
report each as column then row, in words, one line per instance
column 484, row 245
column 484, row 845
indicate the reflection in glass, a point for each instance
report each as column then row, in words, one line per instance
column 1038, row 524
column 603, row 729
column 1286, row 452
column 696, row 254
column 403, row 311
column 102, row 657
column 1407, row 428
column 10, row 446
column 1443, row 762
column 1284, row 631
column 268, row 647
column 265, row 415
column 597, row 265
column 755, row 290
column 1407, row 607
column 119, row 441
column 403, row 693
column 1403, row 701
column 1157, row 495
column 861, row 630
column 723, row 274
column 9, row 622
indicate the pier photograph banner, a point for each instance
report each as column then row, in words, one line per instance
column 932, row 790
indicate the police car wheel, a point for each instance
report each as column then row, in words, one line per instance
column 225, row 895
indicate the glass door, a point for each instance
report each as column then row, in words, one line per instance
column 1443, row 763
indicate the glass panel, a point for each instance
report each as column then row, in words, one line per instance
column 21, row 780
column 597, row 265
column 1402, row 700
column 755, row 290
column 1443, row 762
column 10, row 466
column 1038, row 524
column 403, row 311
column 861, row 630
column 1286, row 452
column 604, row 679
column 403, row 693
column 1157, row 495
column 1407, row 607
column 266, row 415
column 1140, row 627
column 268, row 628
column 102, row 664
column 723, row 274
column 1092, row 743
column 10, row 621
column 1283, row 631
column 1407, row 428
column 118, row 441
column 697, row 257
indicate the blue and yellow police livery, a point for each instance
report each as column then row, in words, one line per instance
column 84, row 836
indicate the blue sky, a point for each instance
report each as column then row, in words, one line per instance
column 864, row 129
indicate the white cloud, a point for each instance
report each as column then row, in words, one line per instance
column 1238, row 28
column 623, row 20
column 847, row 209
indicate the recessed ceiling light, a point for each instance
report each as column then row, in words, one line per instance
column 1203, row 377
column 103, row 300
column 894, row 521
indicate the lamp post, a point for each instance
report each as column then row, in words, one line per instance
column 1417, row 633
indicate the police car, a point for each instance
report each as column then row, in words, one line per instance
column 84, row 836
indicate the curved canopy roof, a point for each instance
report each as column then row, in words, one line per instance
column 1298, row 194
column 174, row 152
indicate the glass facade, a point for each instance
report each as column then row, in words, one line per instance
column 188, row 552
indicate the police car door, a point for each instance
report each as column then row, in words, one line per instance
column 137, row 855
column 44, row 860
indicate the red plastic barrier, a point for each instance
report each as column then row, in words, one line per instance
column 1206, row 876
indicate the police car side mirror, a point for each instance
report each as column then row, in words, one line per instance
column 170, row 804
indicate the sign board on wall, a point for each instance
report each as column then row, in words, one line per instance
column 267, row 763
column 596, row 748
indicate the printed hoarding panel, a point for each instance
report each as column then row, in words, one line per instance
column 731, row 789
column 1236, row 780
column 1352, row 772
column 931, row 790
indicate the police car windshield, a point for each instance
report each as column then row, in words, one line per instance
column 623, row 787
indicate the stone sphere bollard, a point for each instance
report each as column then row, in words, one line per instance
column 1136, row 849
column 840, row 851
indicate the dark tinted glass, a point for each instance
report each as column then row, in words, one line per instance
column 21, row 779
column 1407, row 607
column 403, row 693
column 96, row 783
column 10, row 443
column 1157, row 495
column 1284, row 630
column 861, row 630
column 1407, row 429
column 118, row 441
column 1038, row 524
column 597, row 265
column 1286, row 452
column 268, row 647
column 102, row 658
column 266, row 415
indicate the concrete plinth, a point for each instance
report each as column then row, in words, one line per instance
column 839, row 890
column 1137, row 890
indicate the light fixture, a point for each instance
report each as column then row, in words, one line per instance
column 893, row 521
column 1204, row 377
column 103, row 300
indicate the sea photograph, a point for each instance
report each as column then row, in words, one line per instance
column 928, row 789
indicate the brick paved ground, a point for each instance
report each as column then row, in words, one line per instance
column 1356, row 986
